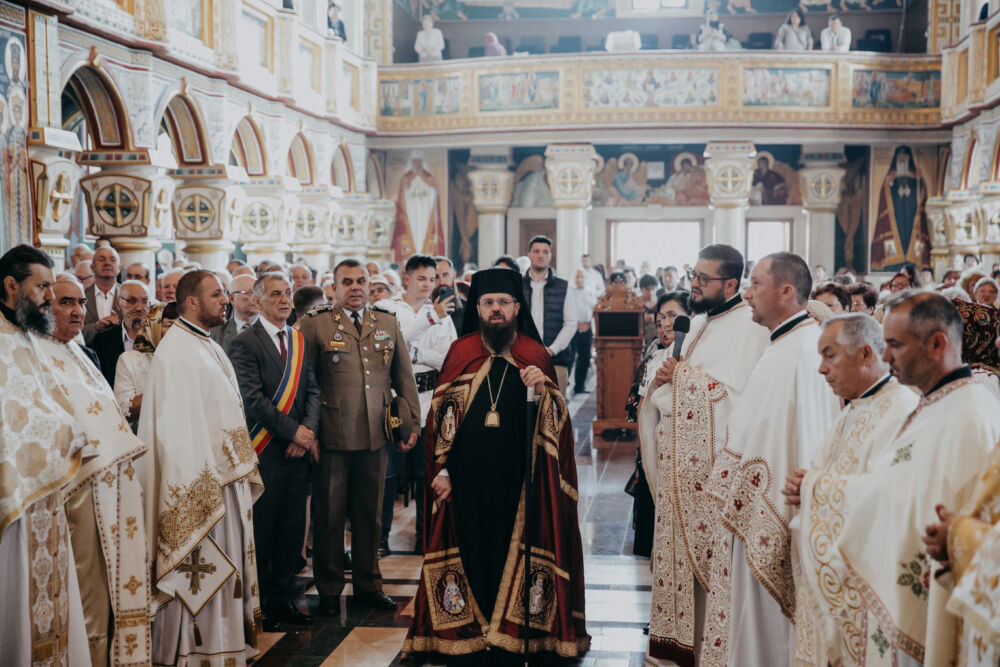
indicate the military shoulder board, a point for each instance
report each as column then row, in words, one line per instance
column 326, row 308
column 378, row 309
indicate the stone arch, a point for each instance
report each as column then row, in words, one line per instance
column 184, row 124
column 342, row 169
column 969, row 165
column 91, row 93
column 248, row 149
column 374, row 178
column 301, row 163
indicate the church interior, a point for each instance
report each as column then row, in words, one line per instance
column 279, row 129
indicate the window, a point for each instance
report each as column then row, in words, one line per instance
column 661, row 243
column 187, row 16
column 255, row 40
column 308, row 67
column 767, row 236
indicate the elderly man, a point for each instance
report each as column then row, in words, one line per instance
column 139, row 272
column 301, row 275
column 882, row 514
column 102, row 296
column 851, row 349
column 246, row 309
column 80, row 252
column 133, row 303
column 169, row 287
column 103, row 495
column 379, row 290
column 84, row 272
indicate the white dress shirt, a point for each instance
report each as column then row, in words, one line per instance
column 568, row 329
column 105, row 302
column 129, row 343
column 839, row 42
column 272, row 333
column 240, row 324
column 593, row 281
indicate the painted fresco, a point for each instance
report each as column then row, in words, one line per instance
column 424, row 97
column 774, row 182
column 531, row 185
column 851, row 233
column 902, row 178
column 876, row 89
column 651, row 87
column 663, row 178
column 786, row 87
column 464, row 238
column 15, row 209
column 523, row 91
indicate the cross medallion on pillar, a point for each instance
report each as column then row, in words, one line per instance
column 161, row 208
column 258, row 218
column 197, row 213
column 117, row 205
column 61, row 197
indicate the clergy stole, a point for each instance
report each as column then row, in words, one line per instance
column 828, row 610
column 974, row 556
column 192, row 419
column 883, row 514
column 447, row 618
column 785, row 409
column 690, row 416
column 109, row 473
column 41, row 447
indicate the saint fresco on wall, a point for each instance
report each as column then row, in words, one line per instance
column 851, row 233
column 531, row 184
column 15, row 211
column 901, row 232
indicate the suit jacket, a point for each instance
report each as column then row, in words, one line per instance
column 259, row 370
column 90, row 315
column 109, row 345
column 93, row 355
column 224, row 333
column 356, row 375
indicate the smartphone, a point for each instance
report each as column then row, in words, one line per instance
column 445, row 293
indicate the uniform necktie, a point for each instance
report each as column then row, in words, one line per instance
column 281, row 345
column 357, row 321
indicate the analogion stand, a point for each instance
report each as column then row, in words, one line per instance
column 618, row 341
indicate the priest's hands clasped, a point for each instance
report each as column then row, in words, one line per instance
column 532, row 376
column 665, row 373
column 936, row 538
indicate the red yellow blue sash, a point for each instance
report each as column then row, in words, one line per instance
column 284, row 396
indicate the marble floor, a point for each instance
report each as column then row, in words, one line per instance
column 617, row 583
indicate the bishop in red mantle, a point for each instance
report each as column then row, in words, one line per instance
column 470, row 593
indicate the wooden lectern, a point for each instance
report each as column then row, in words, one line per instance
column 618, row 341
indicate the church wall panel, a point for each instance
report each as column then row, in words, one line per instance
column 15, row 203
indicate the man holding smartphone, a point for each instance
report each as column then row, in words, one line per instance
column 429, row 332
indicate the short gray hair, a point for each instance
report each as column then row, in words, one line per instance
column 260, row 287
column 135, row 283
column 856, row 331
column 929, row 312
column 67, row 277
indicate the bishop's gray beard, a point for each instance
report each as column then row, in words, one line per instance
column 498, row 337
column 31, row 317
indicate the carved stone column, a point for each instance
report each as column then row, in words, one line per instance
column 570, row 169
column 821, row 186
column 989, row 215
column 378, row 31
column 55, row 183
column 491, row 191
column 966, row 225
column 310, row 240
column 269, row 213
column 350, row 226
column 208, row 203
column 129, row 201
column 940, row 230
column 730, row 174
column 381, row 220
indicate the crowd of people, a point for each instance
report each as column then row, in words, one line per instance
column 175, row 442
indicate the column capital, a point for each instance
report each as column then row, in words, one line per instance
column 269, row 212
column 207, row 203
column 570, row 169
column 55, row 182
column 964, row 215
column 491, row 189
column 940, row 230
column 730, row 169
column 821, row 187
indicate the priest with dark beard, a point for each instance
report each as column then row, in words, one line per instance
column 470, row 602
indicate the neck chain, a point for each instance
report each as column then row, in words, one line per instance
column 493, row 417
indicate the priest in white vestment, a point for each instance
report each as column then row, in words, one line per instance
column 934, row 458
column 827, row 618
column 718, row 354
column 199, row 488
column 775, row 427
column 104, row 499
column 41, row 449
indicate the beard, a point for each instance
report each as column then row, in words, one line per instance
column 498, row 337
column 706, row 304
column 31, row 317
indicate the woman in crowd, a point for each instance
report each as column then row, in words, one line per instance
column 985, row 292
column 133, row 366
column 794, row 34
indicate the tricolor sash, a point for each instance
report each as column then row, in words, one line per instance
column 284, row 396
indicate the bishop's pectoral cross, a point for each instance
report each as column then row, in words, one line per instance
column 903, row 190
column 195, row 570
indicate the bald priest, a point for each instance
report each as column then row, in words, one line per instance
column 470, row 594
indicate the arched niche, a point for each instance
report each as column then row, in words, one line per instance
column 184, row 129
column 970, row 161
column 342, row 169
column 94, row 110
column 301, row 165
column 374, row 177
column 247, row 149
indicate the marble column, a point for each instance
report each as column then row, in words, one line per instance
column 989, row 214
column 491, row 191
column 208, row 203
column 129, row 201
column 55, row 181
column 821, row 186
column 268, row 219
column 940, row 231
column 570, row 169
column 349, row 227
column 730, row 174
column 966, row 225
column 310, row 240
column 381, row 220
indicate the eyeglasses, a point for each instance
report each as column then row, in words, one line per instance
column 701, row 277
column 503, row 303
column 134, row 300
column 242, row 291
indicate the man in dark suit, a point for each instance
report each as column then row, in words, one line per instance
column 360, row 358
column 246, row 310
column 102, row 296
column 281, row 399
column 111, row 343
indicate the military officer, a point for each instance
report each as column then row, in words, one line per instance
column 360, row 356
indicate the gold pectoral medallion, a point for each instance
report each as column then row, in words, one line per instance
column 492, row 418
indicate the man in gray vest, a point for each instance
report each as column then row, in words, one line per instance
column 554, row 318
